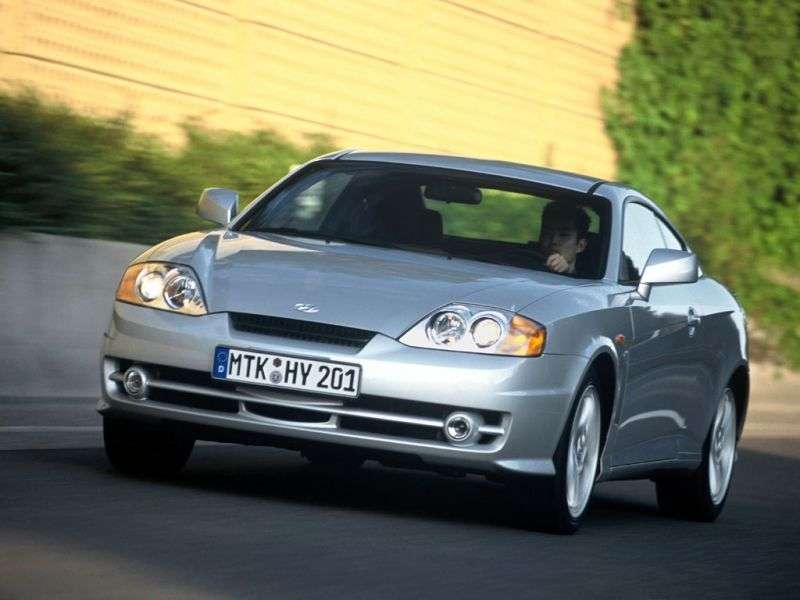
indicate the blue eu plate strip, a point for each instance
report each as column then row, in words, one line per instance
column 220, row 363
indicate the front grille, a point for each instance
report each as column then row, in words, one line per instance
column 417, row 409
column 401, row 430
column 180, row 375
column 188, row 400
column 285, row 413
column 302, row 330
column 392, row 417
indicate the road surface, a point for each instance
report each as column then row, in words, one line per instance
column 245, row 522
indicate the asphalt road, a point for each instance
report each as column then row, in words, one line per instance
column 260, row 523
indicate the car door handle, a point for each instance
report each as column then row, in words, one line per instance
column 692, row 320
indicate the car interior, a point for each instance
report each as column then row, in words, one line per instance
column 415, row 211
column 396, row 212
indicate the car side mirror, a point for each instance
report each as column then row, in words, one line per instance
column 218, row 204
column 667, row 266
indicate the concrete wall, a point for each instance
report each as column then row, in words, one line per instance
column 56, row 295
column 508, row 79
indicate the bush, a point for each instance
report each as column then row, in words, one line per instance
column 65, row 173
column 705, row 119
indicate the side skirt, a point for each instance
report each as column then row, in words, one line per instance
column 646, row 470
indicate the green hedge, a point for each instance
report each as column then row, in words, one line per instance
column 706, row 120
column 61, row 172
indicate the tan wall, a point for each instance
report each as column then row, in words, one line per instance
column 495, row 78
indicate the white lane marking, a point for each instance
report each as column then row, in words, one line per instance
column 49, row 428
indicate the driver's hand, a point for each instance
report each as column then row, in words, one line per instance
column 556, row 262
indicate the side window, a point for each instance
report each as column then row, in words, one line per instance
column 671, row 241
column 641, row 235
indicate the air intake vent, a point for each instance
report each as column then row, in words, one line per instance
column 302, row 330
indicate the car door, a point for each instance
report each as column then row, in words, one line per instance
column 662, row 380
column 701, row 356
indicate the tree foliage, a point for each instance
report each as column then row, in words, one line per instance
column 705, row 119
column 62, row 172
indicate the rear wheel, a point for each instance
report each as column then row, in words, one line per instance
column 559, row 502
column 701, row 496
column 140, row 448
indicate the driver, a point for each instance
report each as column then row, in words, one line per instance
column 565, row 228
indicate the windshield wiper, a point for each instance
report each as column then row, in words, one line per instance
column 292, row 231
column 365, row 242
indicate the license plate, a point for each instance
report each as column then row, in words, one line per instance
column 288, row 372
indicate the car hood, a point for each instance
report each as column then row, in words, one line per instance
column 354, row 285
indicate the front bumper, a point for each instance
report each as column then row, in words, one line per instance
column 404, row 391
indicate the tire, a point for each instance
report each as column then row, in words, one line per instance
column 701, row 496
column 139, row 448
column 328, row 460
column 558, row 503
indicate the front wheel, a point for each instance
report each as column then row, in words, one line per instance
column 701, row 496
column 559, row 502
column 140, row 448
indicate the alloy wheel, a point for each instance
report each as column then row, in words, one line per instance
column 583, row 451
column 722, row 448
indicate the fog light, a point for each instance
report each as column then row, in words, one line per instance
column 135, row 382
column 462, row 428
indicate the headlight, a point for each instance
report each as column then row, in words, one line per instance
column 164, row 286
column 486, row 331
column 447, row 328
column 477, row 329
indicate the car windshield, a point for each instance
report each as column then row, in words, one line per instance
column 450, row 213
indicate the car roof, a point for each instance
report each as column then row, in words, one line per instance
column 540, row 175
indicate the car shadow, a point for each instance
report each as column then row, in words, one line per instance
column 280, row 475
column 242, row 518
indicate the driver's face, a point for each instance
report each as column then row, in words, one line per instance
column 561, row 238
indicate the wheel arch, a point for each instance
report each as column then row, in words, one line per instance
column 739, row 383
column 604, row 366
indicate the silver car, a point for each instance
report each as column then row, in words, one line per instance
column 541, row 328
